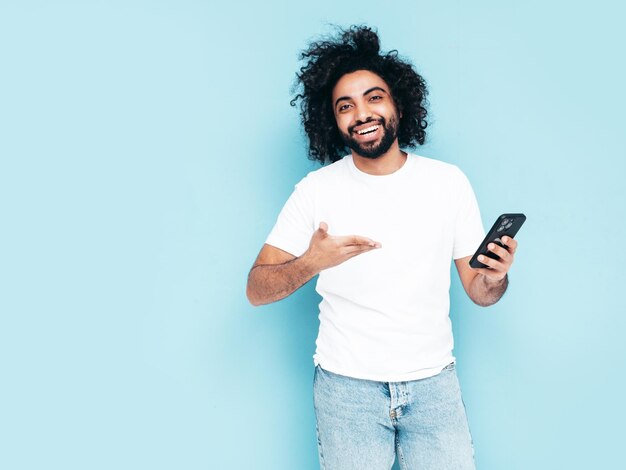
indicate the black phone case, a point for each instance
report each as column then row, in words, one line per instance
column 505, row 225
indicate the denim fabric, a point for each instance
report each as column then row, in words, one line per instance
column 364, row 425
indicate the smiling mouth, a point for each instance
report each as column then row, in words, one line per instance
column 368, row 130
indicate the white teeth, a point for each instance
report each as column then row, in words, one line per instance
column 366, row 130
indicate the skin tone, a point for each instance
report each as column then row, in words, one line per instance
column 362, row 100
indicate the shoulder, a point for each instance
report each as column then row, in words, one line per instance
column 326, row 175
column 441, row 170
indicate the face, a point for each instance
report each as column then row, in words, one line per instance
column 365, row 112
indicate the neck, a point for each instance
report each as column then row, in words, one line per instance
column 389, row 162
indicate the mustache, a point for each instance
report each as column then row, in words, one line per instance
column 380, row 122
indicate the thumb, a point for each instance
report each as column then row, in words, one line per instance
column 323, row 228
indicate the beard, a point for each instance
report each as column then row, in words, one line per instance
column 374, row 149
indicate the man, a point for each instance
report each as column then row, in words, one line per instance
column 380, row 227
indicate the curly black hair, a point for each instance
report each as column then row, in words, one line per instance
column 355, row 48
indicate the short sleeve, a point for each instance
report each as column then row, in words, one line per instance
column 469, row 230
column 295, row 224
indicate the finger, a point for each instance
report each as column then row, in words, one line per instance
column 322, row 231
column 357, row 240
column 495, row 267
column 500, row 251
column 511, row 243
column 490, row 262
column 354, row 250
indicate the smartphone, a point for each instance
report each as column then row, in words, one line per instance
column 505, row 225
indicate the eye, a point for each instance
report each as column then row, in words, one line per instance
column 376, row 98
column 343, row 107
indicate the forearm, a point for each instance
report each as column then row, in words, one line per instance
column 269, row 283
column 484, row 291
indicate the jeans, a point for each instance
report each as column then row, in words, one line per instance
column 364, row 425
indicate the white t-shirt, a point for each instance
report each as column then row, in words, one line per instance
column 385, row 313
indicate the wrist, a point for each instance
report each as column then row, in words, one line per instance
column 307, row 261
column 491, row 281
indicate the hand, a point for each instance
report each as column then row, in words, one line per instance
column 497, row 269
column 326, row 251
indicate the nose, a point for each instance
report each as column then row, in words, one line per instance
column 363, row 113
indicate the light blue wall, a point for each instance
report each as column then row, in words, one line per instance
column 146, row 149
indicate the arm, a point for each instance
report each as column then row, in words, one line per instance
column 276, row 273
column 485, row 286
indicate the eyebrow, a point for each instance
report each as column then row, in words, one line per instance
column 367, row 92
